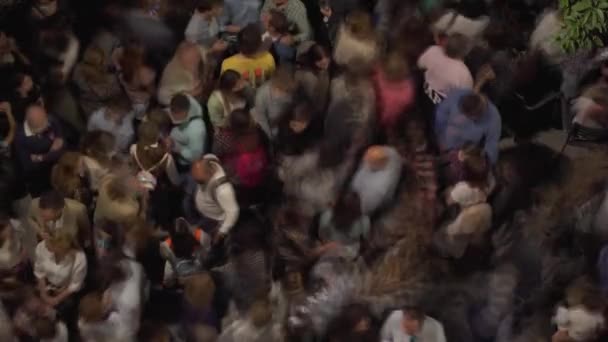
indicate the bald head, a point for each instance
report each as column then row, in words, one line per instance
column 36, row 118
column 202, row 170
column 376, row 158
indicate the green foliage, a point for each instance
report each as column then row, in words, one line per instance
column 584, row 24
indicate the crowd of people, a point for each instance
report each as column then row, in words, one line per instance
column 298, row 170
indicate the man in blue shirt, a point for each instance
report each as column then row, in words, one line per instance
column 468, row 117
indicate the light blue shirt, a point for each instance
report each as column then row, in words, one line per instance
column 202, row 31
column 241, row 12
column 122, row 131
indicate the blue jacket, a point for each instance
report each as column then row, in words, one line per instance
column 453, row 129
column 190, row 136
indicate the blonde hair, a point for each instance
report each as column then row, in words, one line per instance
column 199, row 290
column 93, row 63
column 61, row 241
column 260, row 312
column 359, row 23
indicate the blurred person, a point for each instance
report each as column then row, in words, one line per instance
column 357, row 41
column 31, row 309
column 189, row 134
column 377, row 177
column 10, row 54
column 395, row 93
column 300, row 127
column 312, row 73
column 96, row 85
column 444, row 69
column 242, row 148
column 96, row 321
column 272, row 99
column 197, row 307
column 97, row 148
column 158, row 168
column 26, row 91
column 345, row 226
column 228, row 97
column 137, row 77
column 117, row 119
column 52, row 214
column 255, row 64
column 411, row 324
column 121, row 199
column 355, row 322
column 186, row 73
column 69, row 178
column 276, row 27
column 468, row 117
column 297, row 16
column 14, row 258
column 60, row 269
column 38, row 143
column 214, row 197
column 591, row 107
column 257, row 325
column 240, row 13
column 204, row 26
column 48, row 330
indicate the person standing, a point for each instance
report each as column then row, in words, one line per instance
column 296, row 14
column 188, row 137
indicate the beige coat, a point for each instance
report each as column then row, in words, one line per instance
column 116, row 211
column 74, row 220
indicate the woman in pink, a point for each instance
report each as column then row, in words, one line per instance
column 395, row 92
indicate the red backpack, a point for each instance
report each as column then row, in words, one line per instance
column 250, row 166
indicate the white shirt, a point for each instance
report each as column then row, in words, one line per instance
column 225, row 209
column 392, row 330
column 127, row 298
column 443, row 73
column 582, row 325
column 69, row 272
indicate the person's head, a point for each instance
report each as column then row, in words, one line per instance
column 160, row 118
column 109, row 271
column 133, row 58
column 51, row 206
column 199, row 290
column 70, row 164
column 240, row 121
column 280, row 3
column 413, row 319
column 36, row 118
column 359, row 23
column 376, row 158
column 118, row 108
column 189, row 55
column 354, row 323
column 98, row 145
column 250, row 40
column 231, row 82
column 301, row 117
column 203, row 170
column 212, row 8
column 183, row 243
column 283, row 82
column 315, row 58
column 180, row 107
column 94, row 307
column 395, row 67
column 109, row 238
column 475, row 166
column 45, row 328
column 278, row 23
column 456, row 46
column 473, row 105
column 61, row 245
column 260, row 313
column 23, row 83
column 347, row 210
column 148, row 133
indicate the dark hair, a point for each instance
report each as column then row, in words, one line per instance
column 45, row 328
column 343, row 327
column 228, row 80
column 51, row 200
column 314, row 54
column 346, row 211
column 180, row 103
column 148, row 133
column 414, row 313
column 240, row 120
column 471, row 104
column 456, row 46
column 279, row 21
column 109, row 271
column 250, row 39
column 183, row 243
column 208, row 5
column 475, row 167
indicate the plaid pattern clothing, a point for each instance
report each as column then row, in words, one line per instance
column 295, row 11
column 423, row 164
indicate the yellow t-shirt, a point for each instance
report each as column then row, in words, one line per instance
column 256, row 70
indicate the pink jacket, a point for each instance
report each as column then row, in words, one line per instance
column 392, row 98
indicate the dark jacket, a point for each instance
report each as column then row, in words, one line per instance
column 27, row 144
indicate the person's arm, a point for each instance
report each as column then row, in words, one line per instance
column 193, row 31
column 79, row 272
column 301, row 22
column 227, row 201
column 215, row 107
column 24, row 154
column 493, row 136
column 171, row 170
